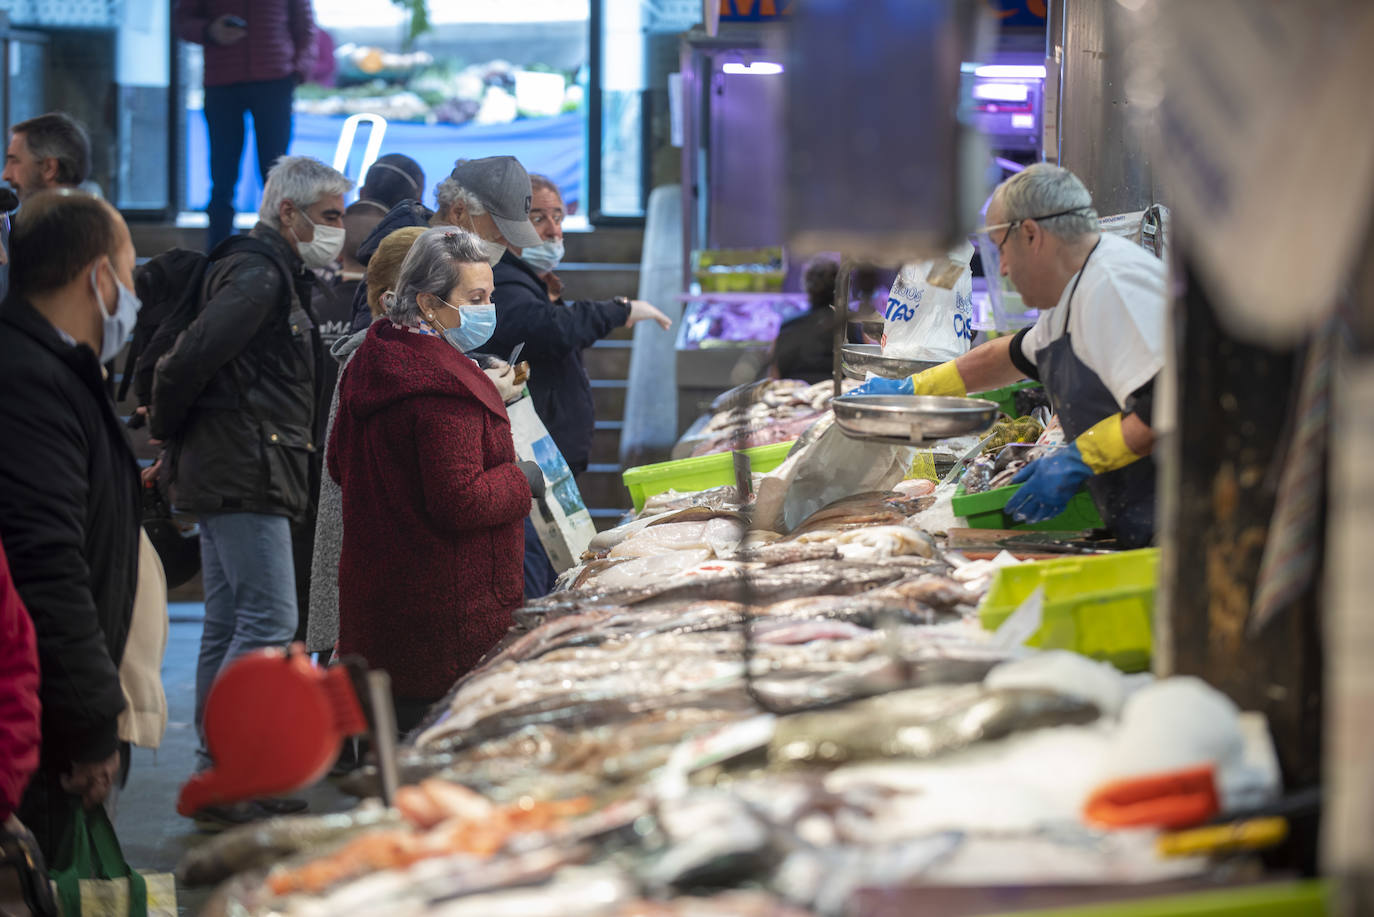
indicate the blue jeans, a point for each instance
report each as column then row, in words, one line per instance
column 250, row 591
column 269, row 102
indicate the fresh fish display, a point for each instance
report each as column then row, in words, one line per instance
column 703, row 718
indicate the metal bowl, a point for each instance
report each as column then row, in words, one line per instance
column 910, row 420
column 858, row 360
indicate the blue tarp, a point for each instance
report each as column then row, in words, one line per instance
column 553, row 146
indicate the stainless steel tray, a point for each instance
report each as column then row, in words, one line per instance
column 858, row 360
column 911, row 420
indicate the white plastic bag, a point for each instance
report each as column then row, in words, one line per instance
column 560, row 517
column 929, row 314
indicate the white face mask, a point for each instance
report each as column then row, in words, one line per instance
column 494, row 251
column 115, row 329
column 545, row 256
column 323, row 248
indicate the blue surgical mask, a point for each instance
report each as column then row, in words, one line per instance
column 115, row 328
column 545, row 256
column 478, row 324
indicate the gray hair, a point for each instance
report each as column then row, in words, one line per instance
column 57, row 135
column 302, row 180
column 1042, row 189
column 431, row 266
column 450, row 192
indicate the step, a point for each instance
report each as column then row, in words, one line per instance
column 607, row 359
column 608, row 244
column 586, row 280
column 609, row 397
column 602, row 489
column 606, row 442
column 606, row 518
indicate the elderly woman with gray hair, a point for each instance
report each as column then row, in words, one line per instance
column 433, row 498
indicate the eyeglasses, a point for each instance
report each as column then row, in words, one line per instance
column 539, row 217
column 987, row 231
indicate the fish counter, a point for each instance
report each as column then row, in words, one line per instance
column 721, row 713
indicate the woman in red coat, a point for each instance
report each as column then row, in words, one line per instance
column 19, row 710
column 433, row 498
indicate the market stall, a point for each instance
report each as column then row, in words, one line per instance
column 752, row 698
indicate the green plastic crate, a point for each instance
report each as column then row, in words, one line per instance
column 984, row 511
column 1099, row 606
column 701, row 472
column 1005, row 396
column 1271, row 899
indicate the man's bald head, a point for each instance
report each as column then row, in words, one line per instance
column 59, row 234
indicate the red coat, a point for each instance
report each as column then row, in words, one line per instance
column 433, row 510
column 19, row 710
column 280, row 40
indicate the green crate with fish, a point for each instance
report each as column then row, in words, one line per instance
column 700, row 472
column 1097, row 606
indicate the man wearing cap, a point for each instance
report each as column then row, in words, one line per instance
column 491, row 197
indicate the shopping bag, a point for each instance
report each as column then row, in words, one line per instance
column 929, row 312
column 93, row 880
column 560, row 517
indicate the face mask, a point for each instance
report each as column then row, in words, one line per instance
column 478, row 325
column 323, row 249
column 115, row 328
column 545, row 256
column 494, row 251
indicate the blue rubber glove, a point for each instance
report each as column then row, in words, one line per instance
column 881, row 386
column 1047, row 485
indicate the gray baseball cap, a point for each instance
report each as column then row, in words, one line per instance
column 503, row 187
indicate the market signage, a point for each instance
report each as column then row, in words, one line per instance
column 755, row 10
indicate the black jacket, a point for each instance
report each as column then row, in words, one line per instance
column 404, row 214
column 69, row 520
column 236, row 394
column 554, row 335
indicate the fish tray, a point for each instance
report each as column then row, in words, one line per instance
column 985, row 511
column 700, row 472
column 1097, row 606
column 1006, row 395
column 912, row 420
column 858, row 360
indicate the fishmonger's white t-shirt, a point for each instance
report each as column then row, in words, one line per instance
column 1117, row 320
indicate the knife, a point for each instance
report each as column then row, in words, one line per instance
column 515, row 354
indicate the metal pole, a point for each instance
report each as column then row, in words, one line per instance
column 841, row 307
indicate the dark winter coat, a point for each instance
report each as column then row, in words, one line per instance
column 69, row 521
column 554, row 335
column 433, row 504
column 236, row 394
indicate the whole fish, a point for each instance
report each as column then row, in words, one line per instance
column 935, row 591
column 919, row 723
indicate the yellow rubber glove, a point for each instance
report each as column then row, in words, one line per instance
column 1103, row 446
column 939, row 380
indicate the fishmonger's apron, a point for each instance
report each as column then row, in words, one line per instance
column 1125, row 498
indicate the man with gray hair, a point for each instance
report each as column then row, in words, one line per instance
column 236, row 395
column 1097, row 347
column 49, row 151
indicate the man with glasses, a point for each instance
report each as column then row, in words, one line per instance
column 1097, row 347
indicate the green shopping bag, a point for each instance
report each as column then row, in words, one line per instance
column 93, row 880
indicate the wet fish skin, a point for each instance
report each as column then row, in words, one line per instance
column 922, row 723
column 937, row 591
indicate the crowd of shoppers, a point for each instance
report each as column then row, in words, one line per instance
column 353, row 473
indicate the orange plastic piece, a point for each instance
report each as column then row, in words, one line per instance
column 274, row 723
column 1177, row 799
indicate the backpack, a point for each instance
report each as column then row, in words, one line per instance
column 171, row 287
